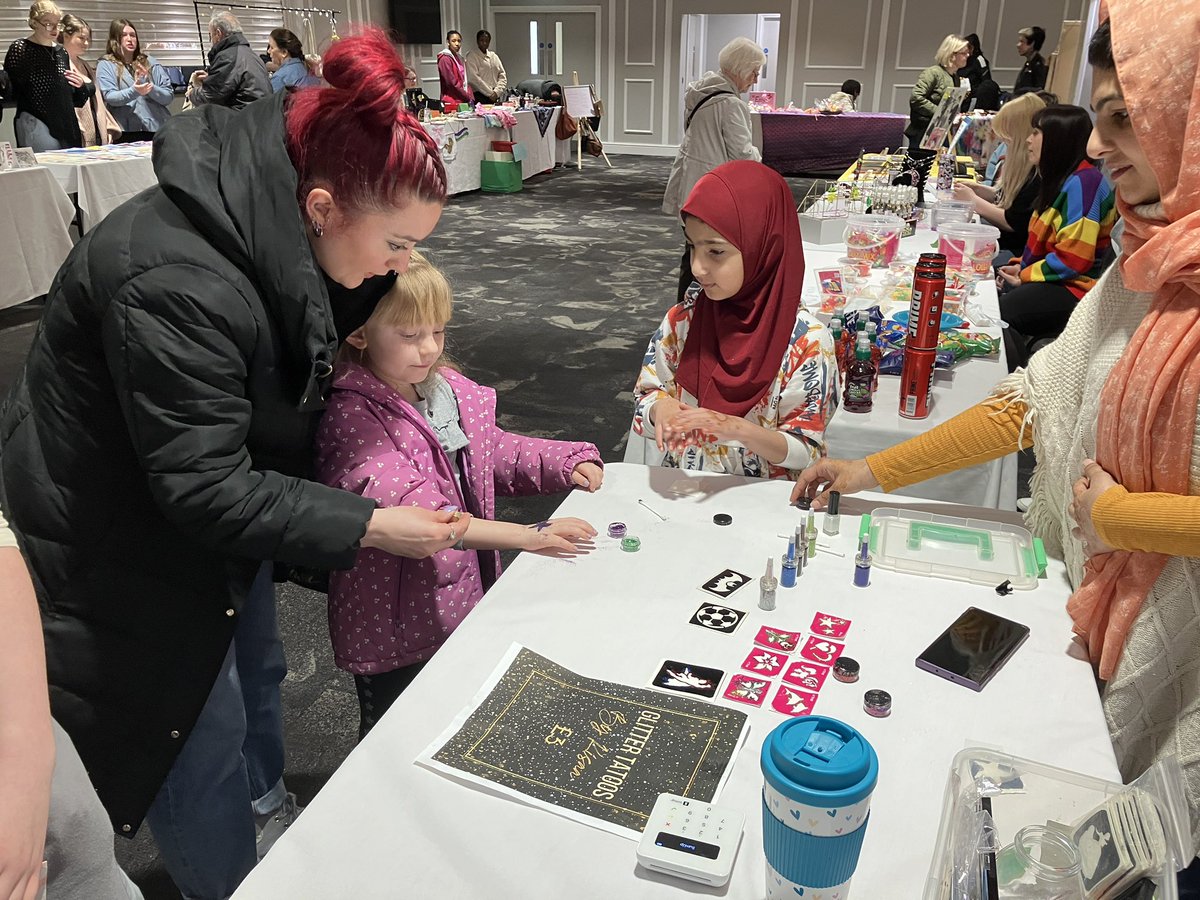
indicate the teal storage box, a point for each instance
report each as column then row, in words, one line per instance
column 499, row 177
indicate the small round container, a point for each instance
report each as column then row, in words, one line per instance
column 874, row 238
column 631, row 544
column 617, row 530
column 846, row 670
column 969, row 247
column 722, row 519
column 1040, row 857
column 877, row 704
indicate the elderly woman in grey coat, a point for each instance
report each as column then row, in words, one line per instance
column 716, row 128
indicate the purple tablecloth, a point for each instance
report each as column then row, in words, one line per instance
column 799, row 143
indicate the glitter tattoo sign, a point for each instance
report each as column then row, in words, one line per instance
column 593, row 751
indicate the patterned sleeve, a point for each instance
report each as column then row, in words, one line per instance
column 808, row 393
column 657, row 377
column 1084, row 214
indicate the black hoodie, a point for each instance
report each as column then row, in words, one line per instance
column 156, row 447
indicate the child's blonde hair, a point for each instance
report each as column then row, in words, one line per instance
column 420, row 296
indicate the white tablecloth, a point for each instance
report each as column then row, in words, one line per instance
column 472, row 138
column 854, row 435
column 101, row 185
column 35, row 221
column 384, row 828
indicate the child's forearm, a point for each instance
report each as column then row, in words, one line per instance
column 485, row 534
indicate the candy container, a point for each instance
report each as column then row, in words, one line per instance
column 874, row 238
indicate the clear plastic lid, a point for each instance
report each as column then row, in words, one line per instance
column 973, row 550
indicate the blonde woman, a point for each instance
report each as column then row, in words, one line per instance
column 96, row 124
column 1009, row 205
column 43, row 84
column 933, row 84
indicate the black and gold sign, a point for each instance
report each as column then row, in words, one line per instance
column 592, row 747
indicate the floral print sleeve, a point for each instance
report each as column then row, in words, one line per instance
column 657, row 377
column 807, row 398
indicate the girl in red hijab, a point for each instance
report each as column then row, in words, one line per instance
column 740, row 378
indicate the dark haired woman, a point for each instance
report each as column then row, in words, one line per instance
column 1068, row 234
column 1111, row 410
column 96, row 124
column 287, row 53
column 157, row 446
column 135, row 87
column 452, row 71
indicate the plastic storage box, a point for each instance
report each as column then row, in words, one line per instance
column 973, row 550
column 1021, row 792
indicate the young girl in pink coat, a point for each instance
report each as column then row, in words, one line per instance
column 405, row 431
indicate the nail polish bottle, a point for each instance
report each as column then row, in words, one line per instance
column 811, row 527
column 787, row 571
column 767, row 585
column 862, row 565
column 833, row 519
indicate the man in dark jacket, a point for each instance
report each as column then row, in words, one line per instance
column 1032, row 76
column 155, row 452
column 236, row 75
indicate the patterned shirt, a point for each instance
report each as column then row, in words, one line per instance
column 1069, row 238
column 798, row 404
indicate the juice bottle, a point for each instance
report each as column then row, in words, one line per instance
column 835, row 328
column 876, row 352
column 860, row 374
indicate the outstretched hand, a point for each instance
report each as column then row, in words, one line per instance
column 561, row 535
column 846, row 476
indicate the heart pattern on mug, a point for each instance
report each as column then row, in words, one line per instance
column 831, row 813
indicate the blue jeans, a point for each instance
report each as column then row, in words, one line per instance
column 231, row 767
column 32, row 132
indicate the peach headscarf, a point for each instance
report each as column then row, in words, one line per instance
column 1147, row 421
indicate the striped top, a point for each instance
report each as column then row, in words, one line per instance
column 1068, row 239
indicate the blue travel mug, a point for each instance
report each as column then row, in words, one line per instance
column 818, row 776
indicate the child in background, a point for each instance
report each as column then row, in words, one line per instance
column 739, row 378
column 404, row 430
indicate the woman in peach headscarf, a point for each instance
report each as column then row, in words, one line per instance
column 1111, row 406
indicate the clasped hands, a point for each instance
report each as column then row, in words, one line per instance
column 676, row 425
column 1084, row 493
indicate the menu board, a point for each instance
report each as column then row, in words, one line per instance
column 590, row 750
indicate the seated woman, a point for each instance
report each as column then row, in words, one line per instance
column 1111, row 414
column 1068, row 234
column 740, row 378
column 847, row 96
column 1009, row 204
column 287, row 56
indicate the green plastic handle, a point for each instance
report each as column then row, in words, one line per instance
column 922, row 531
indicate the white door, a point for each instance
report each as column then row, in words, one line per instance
column 547, row 45
column 768, row 39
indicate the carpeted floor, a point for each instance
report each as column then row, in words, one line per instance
column 558, row 289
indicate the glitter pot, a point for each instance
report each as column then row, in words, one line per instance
column 631, row 544
column 722, row 519
column 616, row 530
column 846, row 670
column 877, row 704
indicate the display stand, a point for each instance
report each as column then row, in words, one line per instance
column 580, row 102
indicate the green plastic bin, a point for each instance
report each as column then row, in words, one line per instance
column 500, row 177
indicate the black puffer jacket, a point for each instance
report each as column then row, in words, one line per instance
column 156, row 445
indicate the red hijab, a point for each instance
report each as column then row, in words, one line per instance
column 734, row 347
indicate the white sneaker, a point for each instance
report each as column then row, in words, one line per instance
column 271, row 826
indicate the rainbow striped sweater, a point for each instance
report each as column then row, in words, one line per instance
column 1068, row 239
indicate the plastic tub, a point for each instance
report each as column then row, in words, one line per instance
column 874, row 238
column 969, row 247
column 851, row 265
column 948, row 211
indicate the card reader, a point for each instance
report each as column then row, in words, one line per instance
column 691, row 839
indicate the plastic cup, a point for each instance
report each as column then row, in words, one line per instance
column 969, row 247
column 818, row 777
column 1040, row 863
column 854, row 266
column 873, row 238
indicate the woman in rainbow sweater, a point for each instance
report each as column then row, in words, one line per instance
column 1068, row 233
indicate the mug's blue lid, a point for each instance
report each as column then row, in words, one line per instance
column 819, row 761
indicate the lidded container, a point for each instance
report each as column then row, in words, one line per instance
column 874, row 237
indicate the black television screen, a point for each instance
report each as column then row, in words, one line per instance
column 417, row 21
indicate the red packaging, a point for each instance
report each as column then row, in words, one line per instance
column 925, row 310
column 916, row 382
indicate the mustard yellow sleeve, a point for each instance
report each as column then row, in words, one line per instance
column 1153, row 522
column 976, row 435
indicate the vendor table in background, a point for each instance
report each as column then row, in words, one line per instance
column 804, row 143
column 35, row 223
column 383, row 827
column 101, row 179
column 854, row 435
column 472, row 138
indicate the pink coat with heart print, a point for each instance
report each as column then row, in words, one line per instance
column 388, row 611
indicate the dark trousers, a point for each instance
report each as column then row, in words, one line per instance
column 481, row 98
column 1034, row 311
column 377, row 693
column 129, row 137
column 1189, row 881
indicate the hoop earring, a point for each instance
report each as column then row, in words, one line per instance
column 318, row 228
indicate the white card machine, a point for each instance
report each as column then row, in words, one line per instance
column 691, row 839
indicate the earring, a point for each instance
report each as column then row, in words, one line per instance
column 318, row 228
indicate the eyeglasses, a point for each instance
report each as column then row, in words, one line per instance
column 50, row 26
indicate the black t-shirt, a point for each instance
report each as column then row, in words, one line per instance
column 1018, row 214
column 41, row 89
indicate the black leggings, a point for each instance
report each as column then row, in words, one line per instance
column 1034, row 311
column 377, row 693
